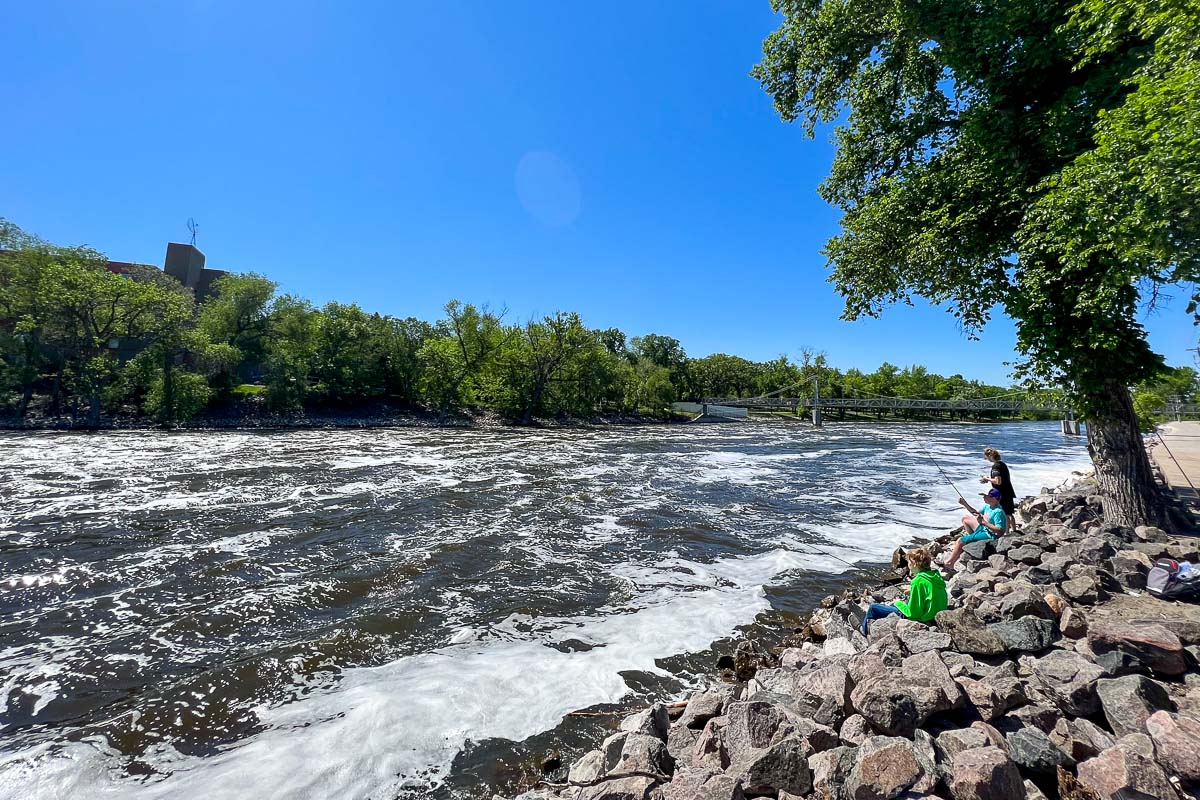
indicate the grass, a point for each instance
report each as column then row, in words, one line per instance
column 248, row 390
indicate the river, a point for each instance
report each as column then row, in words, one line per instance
column 411, row 612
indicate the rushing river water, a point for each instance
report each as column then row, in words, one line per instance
column 395, row 613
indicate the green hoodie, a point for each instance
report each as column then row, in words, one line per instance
column 926, row 596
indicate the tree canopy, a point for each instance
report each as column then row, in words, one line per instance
column 1039, row 155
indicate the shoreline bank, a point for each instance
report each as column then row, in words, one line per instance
column 417, row 418
column 328, row 419
column 1052, row 673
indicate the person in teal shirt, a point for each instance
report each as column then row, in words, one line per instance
column 926, row 594
column 982, row 525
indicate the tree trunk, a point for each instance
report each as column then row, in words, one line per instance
column 26, row 398
column 1131, row 497
column 534, row 402
column 56, row 392
column 168, row 392
column 93, row 417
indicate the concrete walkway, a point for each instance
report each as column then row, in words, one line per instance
column 1183, row 441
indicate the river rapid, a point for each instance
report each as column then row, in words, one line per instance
column 412, row 612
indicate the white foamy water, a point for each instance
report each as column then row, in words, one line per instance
column 320, row 614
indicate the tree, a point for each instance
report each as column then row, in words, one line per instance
column 649, row 385
column 540, row 357
column 92, row 312
column 1178, row 384
column 350, row 354
column 290, row 344
column 455, row 362
column 1036, row 154
column 25, row 354
column 236, row 314
column 666, row 352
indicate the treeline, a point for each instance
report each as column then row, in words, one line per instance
column 77, row 339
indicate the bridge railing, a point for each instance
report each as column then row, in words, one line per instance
column 889, row 403
column 1178, row 410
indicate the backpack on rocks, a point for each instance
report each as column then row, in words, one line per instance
column 1172, row 580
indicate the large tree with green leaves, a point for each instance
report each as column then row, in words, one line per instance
column 1042, row 155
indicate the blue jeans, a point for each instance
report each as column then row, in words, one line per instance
column 878, row 611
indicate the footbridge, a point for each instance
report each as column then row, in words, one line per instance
column 794, row 404
column 1005, row 404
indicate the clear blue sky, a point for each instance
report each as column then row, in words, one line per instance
column 610, row 158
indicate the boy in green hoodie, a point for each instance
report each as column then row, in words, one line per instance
column 926, row 594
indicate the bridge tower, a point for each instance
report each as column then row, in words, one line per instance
column 817, row 401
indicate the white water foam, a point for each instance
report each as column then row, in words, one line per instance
column 346, row 742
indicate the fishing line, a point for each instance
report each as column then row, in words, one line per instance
column 827, row 553
column 939, row 469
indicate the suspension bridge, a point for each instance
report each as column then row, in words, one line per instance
column 794, row 404
column 1010, row 403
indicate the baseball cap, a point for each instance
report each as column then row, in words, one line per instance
column 992, row 493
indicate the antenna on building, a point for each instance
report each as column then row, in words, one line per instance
column 193, row 227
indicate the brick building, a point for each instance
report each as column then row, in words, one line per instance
column 183, row 262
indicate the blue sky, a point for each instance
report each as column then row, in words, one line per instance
column 609, row 158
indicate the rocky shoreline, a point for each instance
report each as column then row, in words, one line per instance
column 1051, row 674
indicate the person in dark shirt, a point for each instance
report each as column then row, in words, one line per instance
column 1000, row 479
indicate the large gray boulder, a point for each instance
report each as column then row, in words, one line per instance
column 1129, row 701
column 642, row 755
column 1025, row 554
column 895, row 702
column 693, row 784
column 588, row 769
column 950, row 743
column 650, row 722
column 984, row 698
column 631, row 788
column 1121, row 648
column 1070, row 680
column 1033, row 750
column 1026, row 634
column 1042, row 717
column 681, row 743
column 985, row 773
column 1127, row 770
column 779, row 767
column 855, row 730
column 979, row 551
column 829, row 772
column 1096, row 550
column 919, row 638
column 1130, row 572
column 1084, row 590
column 1176, row 743
column 1081, row 739
column 886, row 767
column 1025, row 600
column 968, row 634
column 1073, row 623
column 623, row 754
column 1056, row 564
column 704, row 705
column 751, row 726
column 821, row 694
